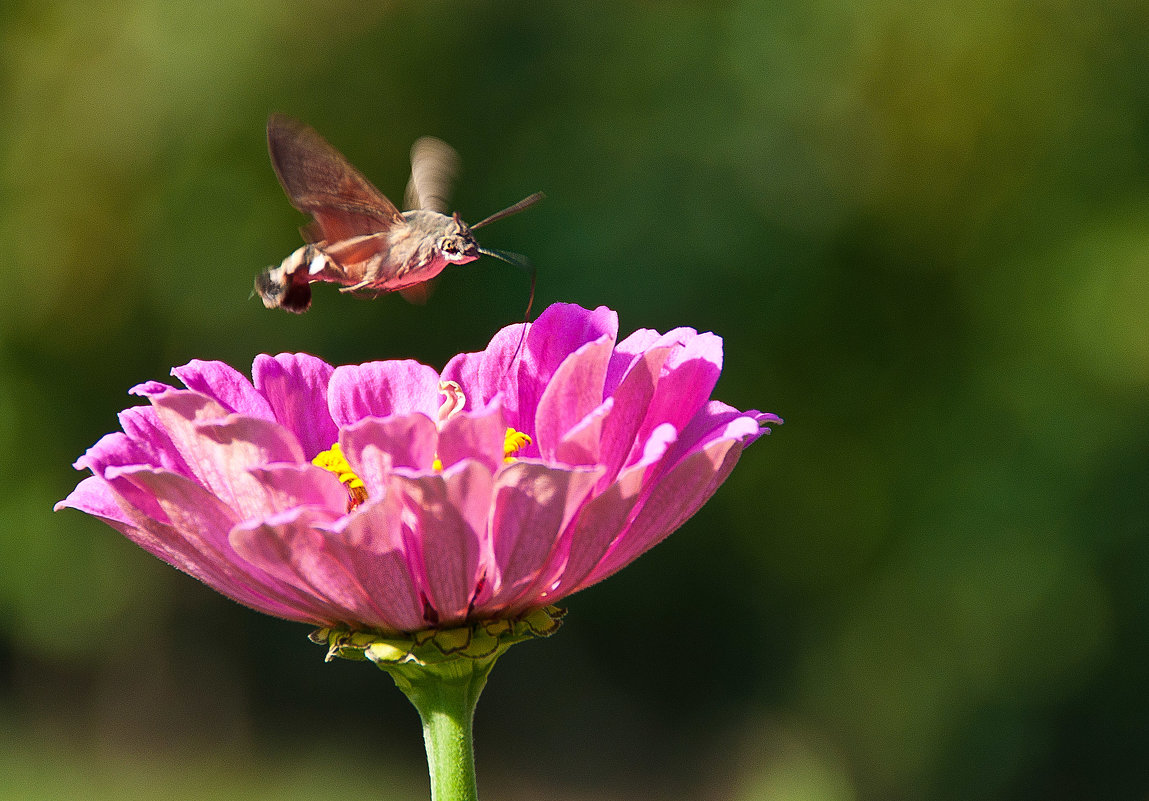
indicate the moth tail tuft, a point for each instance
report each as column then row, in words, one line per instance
column 285, row 287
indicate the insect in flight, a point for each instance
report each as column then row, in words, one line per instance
column 357, row 237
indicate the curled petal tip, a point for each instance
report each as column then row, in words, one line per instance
column 149, row 389
column 766, row 419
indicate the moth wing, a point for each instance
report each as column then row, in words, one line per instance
column 320, row 181
column 434, row 165
column 355, row 250
column 312, row 233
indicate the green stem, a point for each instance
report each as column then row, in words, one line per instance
column 442, row 672
column 450, row 754
column 446, row 704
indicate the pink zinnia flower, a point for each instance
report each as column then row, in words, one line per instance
column 389, row 497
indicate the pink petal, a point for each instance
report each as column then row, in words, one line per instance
column 295, row 386
column 200, row 517
column 764, row 419
column 220, row 450
column 440, row 510
column 560, row 330
column 294, row 549
column 688, row 377
column 352, row 585
column 286, row 486
column 574, row 391
column 632, row 399
column 382, row 389
column 717, row 421
column 476, row 435
column 487, row 374
column 470, row 489
column 112, row 449
column 374, row 538
column 93, row 496
column 374, row 447
column 582, row 444
column 149, row 388
column 598, row 523
column 225, row 385
column 196, row 543
column 235, row 445
column 597, row 526
column 671, row 502
column 118, row 450
column 634, row 346
column 533, row 504
column 143, row 427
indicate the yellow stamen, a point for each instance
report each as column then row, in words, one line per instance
column 333, row 461
column 514, row 442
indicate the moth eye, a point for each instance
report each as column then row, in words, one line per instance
column 449, row 246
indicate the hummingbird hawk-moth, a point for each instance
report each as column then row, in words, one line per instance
column 357, row 238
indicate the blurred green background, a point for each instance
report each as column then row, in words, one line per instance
column 922, row 230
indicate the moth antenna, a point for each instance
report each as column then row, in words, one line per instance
column 522, row 262
column 522, row 205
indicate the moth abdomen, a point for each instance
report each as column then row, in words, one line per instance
column 288, row 286
column 279, row 294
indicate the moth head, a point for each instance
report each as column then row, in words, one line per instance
column 457, row 244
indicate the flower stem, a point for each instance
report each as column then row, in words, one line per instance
column 450, row 754
column 446, row 704
column 442, row 672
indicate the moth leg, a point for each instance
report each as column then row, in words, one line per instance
column 366, row 282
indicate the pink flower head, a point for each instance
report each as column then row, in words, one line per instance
column 434, row 509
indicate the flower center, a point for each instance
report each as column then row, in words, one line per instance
column 453, row 402
column 333, row 460
column 513, row 442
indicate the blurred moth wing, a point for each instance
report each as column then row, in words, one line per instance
column 321, row 182
column 434, row 167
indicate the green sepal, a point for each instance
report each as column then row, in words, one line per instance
column 479, row 641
